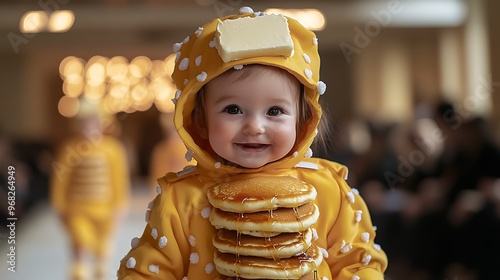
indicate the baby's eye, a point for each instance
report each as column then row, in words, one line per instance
column 274, row 111
column 232, row 109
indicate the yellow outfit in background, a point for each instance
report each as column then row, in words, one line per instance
column 177, row 239
column 169, row 155
column 89, row 190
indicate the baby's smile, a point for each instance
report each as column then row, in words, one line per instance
column 252, row 147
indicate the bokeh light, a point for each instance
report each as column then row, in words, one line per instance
column 119, row 85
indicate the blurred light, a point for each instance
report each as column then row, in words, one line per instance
column 73, row 87
column 119, row 85
column 94, row 93
column 33, row 22
column 71, row 65
column 312, row 19
column 117, row 68
column 61, row 21
column 96, row 74
column 169, row 64
column 140, row 66
column 68, row 106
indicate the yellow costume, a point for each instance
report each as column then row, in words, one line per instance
column 89, row 189
column 177, row 240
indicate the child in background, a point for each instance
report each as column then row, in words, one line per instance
column 250, row 111
column 89, row 190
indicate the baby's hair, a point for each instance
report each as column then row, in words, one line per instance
column 304, row 108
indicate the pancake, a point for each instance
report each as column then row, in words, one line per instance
column 284, row 245
column 261, row 268
column 295, row 219
column 255, row 194
column 308, row 276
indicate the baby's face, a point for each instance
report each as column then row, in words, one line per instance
column 252, row 121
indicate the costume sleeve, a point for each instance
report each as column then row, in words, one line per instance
column 161, row 251
column 353, row 254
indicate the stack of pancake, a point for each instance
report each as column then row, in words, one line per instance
column 263, row 228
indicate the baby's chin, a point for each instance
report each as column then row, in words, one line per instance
column 249, row 165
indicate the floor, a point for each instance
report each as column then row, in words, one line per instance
column 42, row 250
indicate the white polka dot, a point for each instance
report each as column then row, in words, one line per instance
column 176, row 47
column 238, row 67
column 178, row 93
column 366, row 259
column 151, row 204
column 324, row 278
column 356, row 277
column 350, row 197
column 162, row 242
column 321, row 87
column 324, row 252
column 355, row 191
column 199, row 31
column 201, row 77
column 315, row 41
column 246, row 9
column 307, row 59
column 134, row 242
column 154, row 268
column 184, row 278
column 192, row 240
column 346, row 176
column 308, row 73
column 197, row 61
column 315, row 234
column 177, row 57
column 295, row 154
column 344, row 248
column 158, row 190
column 186, row 81
column 358, row 214
column 209, row 268
column 146, row 217
column 183, row 65
column 205, row 212
column 189, row 155
column 377, row 247
column 154, row 233
column 293, row 52
column 212, row 43
column 185, row 40
column 194, row 258
column 309, row 153
column 130, row 263
column 365, row 237
column 375, row 228
column 217, row 165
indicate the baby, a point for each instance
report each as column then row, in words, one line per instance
column 247, row 107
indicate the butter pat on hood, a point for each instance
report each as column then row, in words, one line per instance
column 247, row 37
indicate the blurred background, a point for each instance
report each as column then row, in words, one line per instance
column 413, row 102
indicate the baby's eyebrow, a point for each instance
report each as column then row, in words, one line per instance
column 223, row 99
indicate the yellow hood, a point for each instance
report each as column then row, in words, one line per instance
column 198, row 62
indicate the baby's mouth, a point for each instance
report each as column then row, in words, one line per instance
column 253, row 147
